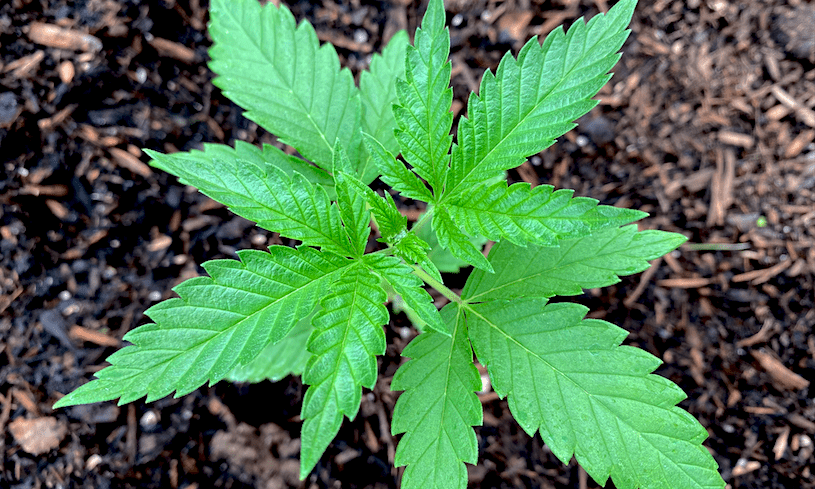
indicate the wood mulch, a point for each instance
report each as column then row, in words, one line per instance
column 708, row 124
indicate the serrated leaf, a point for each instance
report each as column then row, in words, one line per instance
column 409, row 287
column 584, row 263
column 278, row 360
column 460, row 245
column 218, row 322
column 391, row 222
column 378, row 91
column 569, row 378
column 289, row 204
column 347, row 338
column 539, row 215
column 438, row 408
column 395, row 173
column 530, row 101
column 356, row 217
column 288, row 83
column 442, row 259
column 414, row 250
column 423, row 115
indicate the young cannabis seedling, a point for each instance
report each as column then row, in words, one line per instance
column 319, row 309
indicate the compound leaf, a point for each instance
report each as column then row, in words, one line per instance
column 569, row 378
column 537, row 215
column 528, row 102
column 347, row 338
column 423, row 115
column 438, row 408
column 378, row 91
column 218, row 322
column 278, row 360
column 409, row 287
column 592, row 261
column 286, row 81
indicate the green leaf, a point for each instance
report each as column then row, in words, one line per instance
column 570, row 379
column 347, row 338
column 460, row 245
column 537, row 215
column 584, row 263
column 395, row 173
column 441, row 258
column 356, row 217
column 278, row 360
column 289, row 204
column 391, row 222
column 528, row 103
column 218, row 322
column 438, row 408
column 409, row 287
column 288, row 83
column 378, row 91
column 414, row 250
column 423, row 115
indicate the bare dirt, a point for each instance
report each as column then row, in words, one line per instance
column 708, row 124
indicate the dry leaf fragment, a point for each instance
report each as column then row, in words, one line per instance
column 37, row 435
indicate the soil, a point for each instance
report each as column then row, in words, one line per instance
column 708, row 124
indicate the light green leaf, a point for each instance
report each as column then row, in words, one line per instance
column 441, row 258
column 409, row 287
column 395, row 173
column 391, row 222
column 345, row 343
column 356, row 217
column 438, row 408
column 423, row 115
column 278, row 360
column 378, row 91
column 584, row 263
column 286, row 203
column 537, row 215
column 528, row 103
column 570, row 379
column 460, row 245
column 218, row 322
column 414, row 250
column 286, row 81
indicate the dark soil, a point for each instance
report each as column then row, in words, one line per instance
column 708, row 125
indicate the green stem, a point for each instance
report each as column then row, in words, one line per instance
column 440, row 287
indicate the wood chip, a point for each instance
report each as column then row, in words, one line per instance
column 38, row 435
column 92, row 336
column 783, row 378
column 161, row 242
column 128, row 161
column 25, row 66
column 170, row 49
column 736, row 139
column 685, row 283
column 781, row 443
column 745, row 467
column 798, row 144
column 66, row 71
column 59, row 37
column 756, row 277
column 804, row 114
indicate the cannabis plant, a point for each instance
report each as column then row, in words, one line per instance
column 318, row 309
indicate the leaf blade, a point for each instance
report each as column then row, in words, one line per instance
column 347, row 338
column 438, row 408
column 286, row 81
column 593, row 261
column 217, row 323
column 606, row 406
column 531, row 100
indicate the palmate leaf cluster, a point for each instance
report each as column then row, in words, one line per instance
column 319, row 309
